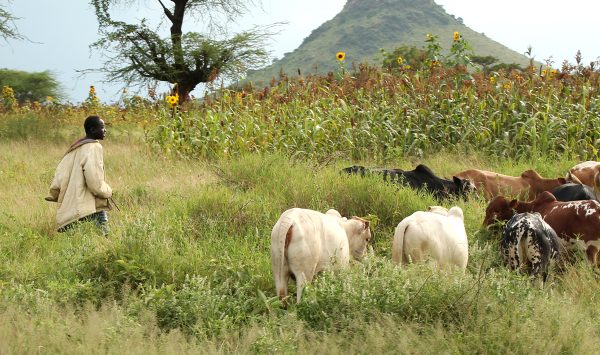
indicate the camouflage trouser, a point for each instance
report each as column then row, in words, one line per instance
column 99, row 218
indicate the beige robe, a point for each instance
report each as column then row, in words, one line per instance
column 78, row 185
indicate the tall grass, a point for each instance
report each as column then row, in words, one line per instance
column 385, row 115
column 186, row 267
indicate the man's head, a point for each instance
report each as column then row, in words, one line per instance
column 94, row 127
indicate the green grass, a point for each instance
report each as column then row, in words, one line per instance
column 186, row 268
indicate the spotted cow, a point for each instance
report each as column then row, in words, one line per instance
column 577, row 223
column 421, row 178
column 529, row 243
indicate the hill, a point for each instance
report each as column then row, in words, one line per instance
column 363, row 27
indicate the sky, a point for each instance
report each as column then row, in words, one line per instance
column 59, row 32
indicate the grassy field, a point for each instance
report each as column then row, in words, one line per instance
column 186, row 267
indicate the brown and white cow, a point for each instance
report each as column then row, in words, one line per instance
column 585, row 172
column 577, row 223
column 527, row 186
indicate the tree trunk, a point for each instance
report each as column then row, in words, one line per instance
column 183, row 89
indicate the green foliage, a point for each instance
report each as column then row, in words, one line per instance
column 141, row 55
column 404, row 58
column 361, row 29
column 36, row 86
column 186, row 267
column 8, row 30
column 28, row 125
column 336, row 301
column 381, row 115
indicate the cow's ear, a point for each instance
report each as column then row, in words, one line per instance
column 457, row 181
column 367, row 223
column 513, row 204
column 562, row 180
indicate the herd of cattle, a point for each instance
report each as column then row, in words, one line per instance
column 544, row 216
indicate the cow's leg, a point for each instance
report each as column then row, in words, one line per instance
column 414, row 256
column 538, row 260
column 513, row 256
column 597, row 258
column 301, row 280
column 592, row 254
column 304, row 273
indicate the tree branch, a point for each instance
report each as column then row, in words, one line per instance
column 167, row 12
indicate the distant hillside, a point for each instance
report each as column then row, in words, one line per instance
column 363, row 27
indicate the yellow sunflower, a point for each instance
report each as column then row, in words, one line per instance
column 456, row 36
column 340, row 56
column 400, row 60
column 172, row 100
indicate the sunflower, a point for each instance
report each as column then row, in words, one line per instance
column 172, row 100
column 400, row 60
column 456, row 36
column 340, row 56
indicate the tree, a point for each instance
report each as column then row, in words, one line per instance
column 8, row 30
column 30, row 86
column 139, row 55
column 404, row 56
column 484, row 61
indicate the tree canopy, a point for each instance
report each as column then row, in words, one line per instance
column 138, row 55
column 8, row 29
column 28, row 86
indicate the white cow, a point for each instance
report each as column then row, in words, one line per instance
column 438, row 234
column 305, row 242
column 438, row 209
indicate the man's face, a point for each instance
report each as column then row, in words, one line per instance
column 99, row 131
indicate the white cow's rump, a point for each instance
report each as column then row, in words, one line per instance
column 422, row 234
column 305, row 242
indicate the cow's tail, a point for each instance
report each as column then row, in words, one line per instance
column 282, row 236
column 398, row 245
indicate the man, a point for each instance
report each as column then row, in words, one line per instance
column 78, row 185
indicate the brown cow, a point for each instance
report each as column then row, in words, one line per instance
column 576, row 222
column 585, row 172
column 527, row 186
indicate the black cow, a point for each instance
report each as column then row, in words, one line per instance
column 574, row 192
column 529, row 243
column 420, row 178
